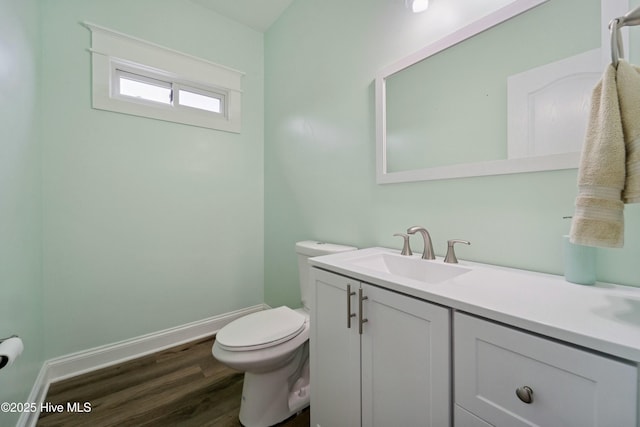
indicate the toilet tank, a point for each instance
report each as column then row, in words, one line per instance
column 306, row 250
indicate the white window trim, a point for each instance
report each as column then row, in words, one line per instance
column 111, row 50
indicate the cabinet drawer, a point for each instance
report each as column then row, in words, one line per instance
column 569, row 386
column 464, row 418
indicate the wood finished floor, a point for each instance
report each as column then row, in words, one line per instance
column 181, row 386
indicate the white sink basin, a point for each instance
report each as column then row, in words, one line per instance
column 410, row 267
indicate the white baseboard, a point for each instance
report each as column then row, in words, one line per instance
column 92, row 359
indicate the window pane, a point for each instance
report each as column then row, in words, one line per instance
column 144, row 90
column 196, row 100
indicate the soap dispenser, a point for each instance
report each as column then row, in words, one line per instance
column 579, row 262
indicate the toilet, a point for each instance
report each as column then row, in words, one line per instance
column 272, row 348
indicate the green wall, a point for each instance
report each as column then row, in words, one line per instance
column 147, row 224
column 321, row 59
column 113, row 226
column 20, row 206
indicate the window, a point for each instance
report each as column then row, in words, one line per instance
column 136, row 77
column 202, row 101
column 142, row 88
column 145, row 89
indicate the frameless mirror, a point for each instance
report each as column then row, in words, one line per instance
column 508, row 93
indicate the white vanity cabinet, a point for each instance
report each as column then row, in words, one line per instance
column 378, row 358
column 510, row 378
column 521, row 348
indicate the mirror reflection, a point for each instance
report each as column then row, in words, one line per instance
column 520, row 105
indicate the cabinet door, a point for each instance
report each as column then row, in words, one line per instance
column 567, row 386
column 405, row 361
column 334, row 352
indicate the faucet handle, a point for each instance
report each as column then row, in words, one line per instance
column 450, row 258
column 406, row 249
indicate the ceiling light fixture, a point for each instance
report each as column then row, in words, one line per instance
column 417, row 6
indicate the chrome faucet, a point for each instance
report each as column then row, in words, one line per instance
column 427, row 253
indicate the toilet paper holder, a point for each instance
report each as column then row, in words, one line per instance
column 11, row 347
column 12, row 336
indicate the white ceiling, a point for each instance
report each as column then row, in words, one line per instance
column 257, row 14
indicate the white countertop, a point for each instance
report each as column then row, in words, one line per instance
column 602, row 317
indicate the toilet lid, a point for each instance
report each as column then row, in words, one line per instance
column 261, row 329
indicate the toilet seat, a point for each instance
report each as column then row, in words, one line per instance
column 261, row 330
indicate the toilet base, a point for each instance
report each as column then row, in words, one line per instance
column 267, row 397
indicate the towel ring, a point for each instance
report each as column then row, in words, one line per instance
column 617, row 50
column 631, row 18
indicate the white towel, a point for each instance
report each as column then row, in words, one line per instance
column 628, row 81
column 610, row 161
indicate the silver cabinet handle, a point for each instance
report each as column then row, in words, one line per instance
column 362, row 320
column 525, row 394
column 350, row 293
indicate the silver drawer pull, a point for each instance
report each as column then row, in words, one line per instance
column 525, row 394
column 362, row 320
column 350, row 293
